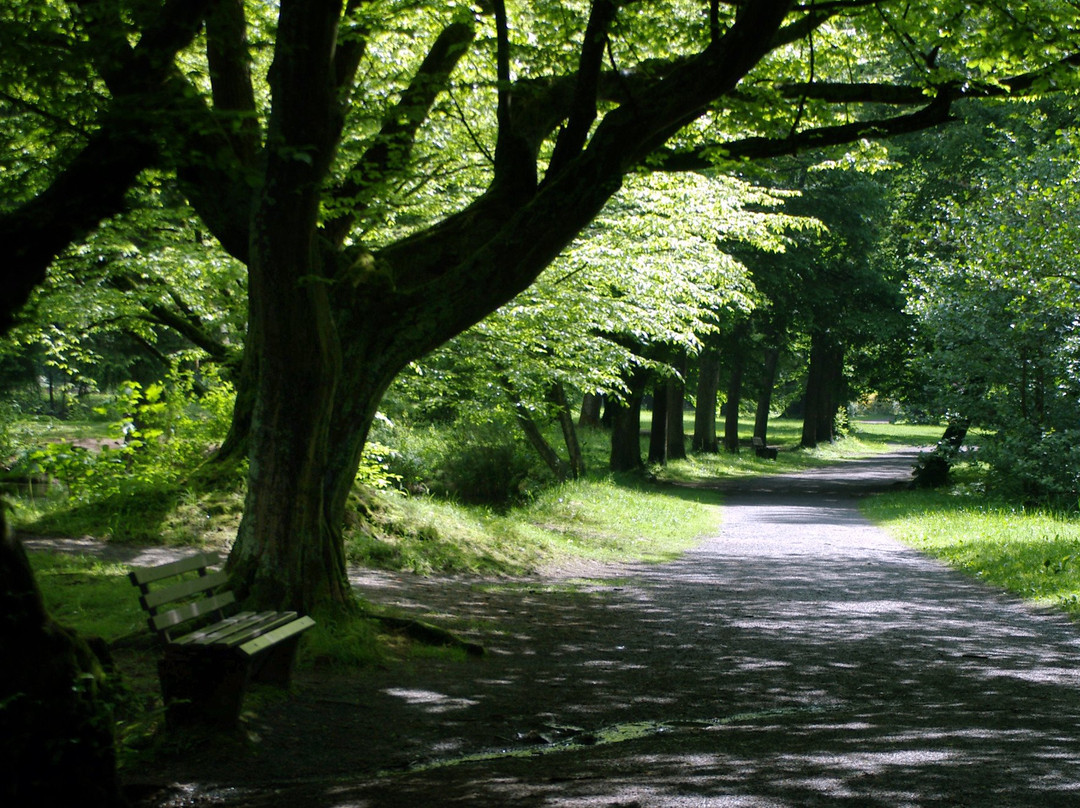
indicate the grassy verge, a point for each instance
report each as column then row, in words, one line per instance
column 1031, row 553
column 866, row 438
column 603, row 519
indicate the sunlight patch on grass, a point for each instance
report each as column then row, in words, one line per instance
column 1031, row 553
column 599, row 519
column 91, row 596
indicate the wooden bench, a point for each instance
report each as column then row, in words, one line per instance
column 761, row 450
column 209, row 658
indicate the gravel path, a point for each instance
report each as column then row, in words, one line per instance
column 798, row 658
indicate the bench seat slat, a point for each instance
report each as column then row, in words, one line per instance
column 185, row 589
column 141, row 576
column 189, row 611
column 277, row 635
column 236, row 629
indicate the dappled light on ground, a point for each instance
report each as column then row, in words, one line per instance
column 798, row 658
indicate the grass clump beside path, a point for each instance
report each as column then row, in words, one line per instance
column 600, row 519
column 1032, row 553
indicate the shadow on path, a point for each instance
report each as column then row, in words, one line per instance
column 798, row 658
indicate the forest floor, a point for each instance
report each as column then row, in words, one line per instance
column 799, row 657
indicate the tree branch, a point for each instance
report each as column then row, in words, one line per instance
column 390, row 152
column 583, row 107
column 93, row 186
column 230, row 77
column 757, row 148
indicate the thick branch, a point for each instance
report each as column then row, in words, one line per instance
column 93, row 186
column 230, row 77
column 583, row 108
column 757, row 148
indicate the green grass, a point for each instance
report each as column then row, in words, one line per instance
column 91, row 596
column 604, row 519
column 1032, row 553
column 866, row 438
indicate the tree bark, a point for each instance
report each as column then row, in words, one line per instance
column 287, row 554
column 824, row 382
column 570, row 436
column 590, row 411
column 704, row 439
column 734, row 399
column 675, row 432
column 626, row 426
column 56, row 725
column 764, row 401
column 658, row 430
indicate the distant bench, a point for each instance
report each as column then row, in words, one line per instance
column 761, row 450
column 210, row 658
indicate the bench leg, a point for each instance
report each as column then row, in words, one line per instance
column 203, row 688
column 275, row 665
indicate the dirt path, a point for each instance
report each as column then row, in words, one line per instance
column 798, row 658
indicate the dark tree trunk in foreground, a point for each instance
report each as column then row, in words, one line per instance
column 764, row 401
column 704, row 439
column 56, row 723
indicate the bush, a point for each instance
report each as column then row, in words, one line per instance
column 1038, row 468
column 488, row 464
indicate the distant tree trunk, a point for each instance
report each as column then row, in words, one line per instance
column 731, row 407
column 570, row 436
column 590, row 410
column 658, row 430
column 932, row 469
column 559, row 467
column 675, row 433
column 823, row 382
column 704, row 439
column 626, row 426
column 764, row 401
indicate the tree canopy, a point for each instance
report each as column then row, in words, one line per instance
column 391, row 172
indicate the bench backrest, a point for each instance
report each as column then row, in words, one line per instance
column 758, row 441
column 172, row 597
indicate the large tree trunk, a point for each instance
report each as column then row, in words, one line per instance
column 287, row 553
column 764, row 401
column 704, row 439
column 626, row 425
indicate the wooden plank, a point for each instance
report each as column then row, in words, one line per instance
column 265, row 641
column 145, row 575
column 268, row 622
column 233, row 632
column 185, row 589
column 198, row 637
column 189, row 611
